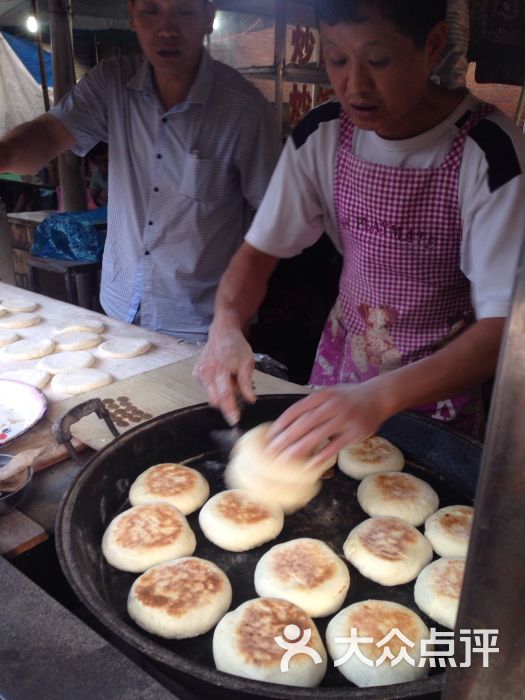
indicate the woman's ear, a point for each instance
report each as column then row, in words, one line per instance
column 436, row 42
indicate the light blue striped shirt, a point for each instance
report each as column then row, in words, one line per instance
column 183, row 185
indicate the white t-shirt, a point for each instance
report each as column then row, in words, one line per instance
column 299, row 205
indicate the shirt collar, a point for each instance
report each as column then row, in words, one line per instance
column 142, row 80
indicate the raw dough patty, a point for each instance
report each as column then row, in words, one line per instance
column 21, row 320
column 124, row 347
column 77, row 340
column 77, row 381
column 61, row 361
column 28, row 349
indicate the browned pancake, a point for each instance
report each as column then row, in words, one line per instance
column 306, row 564
column 396, row 485
column 241, row 509
column 179, row 587
column 457, row 522
column 146, row 526
column 263, row 620
column 447, row 578
column 373, row 449
column 170, row 479
column 387, row 538
column 376, row 619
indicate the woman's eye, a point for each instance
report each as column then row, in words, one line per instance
column 338, row 62
column 382, row 63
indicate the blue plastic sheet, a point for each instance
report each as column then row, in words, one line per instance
column 72, row 236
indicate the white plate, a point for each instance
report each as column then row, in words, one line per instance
column 21, row 406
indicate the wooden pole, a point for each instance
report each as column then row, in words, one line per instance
column 72, row 185
column 43, row 75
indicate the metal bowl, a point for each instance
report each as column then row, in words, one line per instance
column 10, row 501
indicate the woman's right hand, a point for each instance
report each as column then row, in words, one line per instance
column 225, row 370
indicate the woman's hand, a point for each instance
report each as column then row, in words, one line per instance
column 343, row 415
column 225, row 369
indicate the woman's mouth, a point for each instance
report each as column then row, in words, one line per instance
column 364, row 111
column 169, row 53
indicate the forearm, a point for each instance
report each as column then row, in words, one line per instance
column 30, row 146
column 467, row 361
column 242, row 288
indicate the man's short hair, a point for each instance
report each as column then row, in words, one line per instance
column 415, row 18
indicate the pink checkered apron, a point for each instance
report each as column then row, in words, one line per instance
column 402, row 294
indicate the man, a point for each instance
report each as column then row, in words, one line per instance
column 192, row 146
column 423, row 188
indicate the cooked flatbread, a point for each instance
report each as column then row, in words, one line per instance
column 184, row 488
column 372, row 456
column 448, row 530
column 387, row 550
column 306, row 572
column 244, row 643
column 438, row 589
column 147, row 535
column 238, row 520
column 400, row 495
column 375, row 619
column 181, row 598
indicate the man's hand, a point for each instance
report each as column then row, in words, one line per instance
column 343, row 415
column 225, row 369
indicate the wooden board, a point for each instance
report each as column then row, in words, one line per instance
column 18, row 533
column 156, row 392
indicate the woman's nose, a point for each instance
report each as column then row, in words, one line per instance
column 358, row 80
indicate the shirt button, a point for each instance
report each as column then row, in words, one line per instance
column 165, row 119
column 155, row 189
column 159, row 155
column 150, row 223
column 147, row 252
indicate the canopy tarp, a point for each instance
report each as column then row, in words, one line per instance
column 21, row 97
column 94, row 15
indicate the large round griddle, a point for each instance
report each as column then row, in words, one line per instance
column 447, row 460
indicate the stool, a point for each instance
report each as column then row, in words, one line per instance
column 69, row 269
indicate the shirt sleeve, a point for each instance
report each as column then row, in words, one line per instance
column 492, row 201
column 298, row 205
column 83, row 110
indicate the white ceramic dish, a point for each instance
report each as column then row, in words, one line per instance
column 21, row 406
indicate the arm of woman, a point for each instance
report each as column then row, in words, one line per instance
column 346, row 414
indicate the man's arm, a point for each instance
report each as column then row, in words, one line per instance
column 348, row 414
column 225, row 367
column 28, row 147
